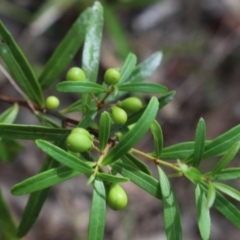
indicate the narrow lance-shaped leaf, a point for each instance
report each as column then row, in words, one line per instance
column 9, row 115
column 227, row 190
column 172, row 217
column 222, row 143
column 64, row 157
column 164, row 100
column 143, row 88
column 35, row 202
column 65, row 51
column 139, row 178
column 92, row 44
column 211, row 195
column 226, row 158
column 146, row 68
column 7, row 224
column 199, row 143
column 135, row 134
column 127, row 68
column 227, row 174
column 98, row 212
column 16, row 131
column 104, row 130
column 129, row 158
column 157, row 137
column 44, row 180
column 19, row 66
column 224, row 206
column 111, row 178
column 80, row 87
column 203, row 214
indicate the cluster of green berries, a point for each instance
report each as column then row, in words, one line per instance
column 79, row 140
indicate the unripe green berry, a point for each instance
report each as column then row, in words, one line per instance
column 75, row 74
column 119, row 116
column 77, row 142
column 82, row 131
column 52, row 102
column 112, row 76
column 131, row 104
column 117, row 197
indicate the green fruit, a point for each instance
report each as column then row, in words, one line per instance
column 77, row 142
column 82, row 131
column 117, row 197
column 112, row 76
column 131, row 104
column 119, row 116
column 52, row 102
column 75, row 74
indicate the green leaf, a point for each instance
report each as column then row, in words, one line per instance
column 231, row 153
column 227, row 174
column 80, row 87
column 47, row 122
column 199, row 143
column 19, row 66
column 8, row 149
column 74, row 107
column 92, row 44
column 87, row 119
column 222, row 143
column 64, row 157
column 65, row 51
column 178, row 151
column 129, row 158
column 164, row 100
column 98, row 212
column 157, row 137
column 9, row 115
column 44, row 180
column 111, row 178
column 224, row 206
column 227, row 190
column 35, row 202
column 116, row 31
column 144, row 181
column 8, row 229
column 211, row 195
column 134, row 135
column 16, row 131
column 127, row 68
column 146, row 68
column 193, row 174
column 172, row 217
column 203, row 214
column 104, row 130
column 143, row 88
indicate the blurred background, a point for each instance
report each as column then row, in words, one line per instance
column 200, row 41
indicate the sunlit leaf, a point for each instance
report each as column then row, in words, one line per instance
column 199, row 143
column 211, row 195
column 227, row 174
column 203, row 214
column 9, row 115
column 172, row 217
column 157, row 137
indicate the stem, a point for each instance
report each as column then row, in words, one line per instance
column 101, row 102
column 156, row 160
